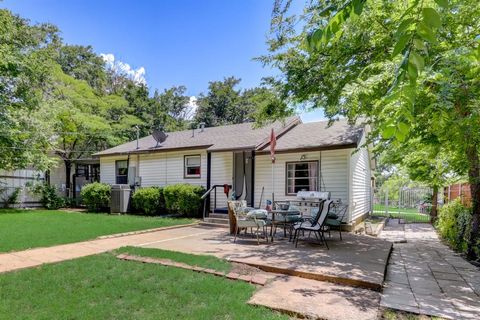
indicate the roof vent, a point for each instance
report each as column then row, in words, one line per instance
column 202, row 126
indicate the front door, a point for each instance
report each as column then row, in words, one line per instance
column 243, row 176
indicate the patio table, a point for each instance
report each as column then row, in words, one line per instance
column 283, row 213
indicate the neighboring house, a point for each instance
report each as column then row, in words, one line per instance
column 309, row 156
column 83, row 171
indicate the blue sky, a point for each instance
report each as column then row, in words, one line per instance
column 177, row 42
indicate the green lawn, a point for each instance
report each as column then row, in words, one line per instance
column 103, row 287
column 408, row 214
column 23, row 229
column 203, row 261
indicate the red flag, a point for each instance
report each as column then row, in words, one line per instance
column 273, row 144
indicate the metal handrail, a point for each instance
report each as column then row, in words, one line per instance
column 204, row 197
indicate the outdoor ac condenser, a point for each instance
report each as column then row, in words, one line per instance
column 120, row 198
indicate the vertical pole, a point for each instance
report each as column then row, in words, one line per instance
column 273, row 185
column 386, row 201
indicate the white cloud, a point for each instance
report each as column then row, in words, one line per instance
column 137, row 75
column 191, row 108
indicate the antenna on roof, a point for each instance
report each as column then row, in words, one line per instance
column 159, row 136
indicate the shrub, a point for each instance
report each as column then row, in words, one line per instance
column 7, row 198
column 184, row 199
column 148, row 200
column 454, row 224
column 48, row 196
column 96, row 196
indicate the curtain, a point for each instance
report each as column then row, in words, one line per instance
column 312, row 176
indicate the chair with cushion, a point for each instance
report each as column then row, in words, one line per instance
column 243, row 220
column 314, row 225
column 335, row 219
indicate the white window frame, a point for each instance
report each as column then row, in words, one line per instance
column 186, row 166
column 294, row 178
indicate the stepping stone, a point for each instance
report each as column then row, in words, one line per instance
column 318, row 300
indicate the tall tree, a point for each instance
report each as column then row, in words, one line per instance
column 220, row 105
column 25, row 67
column 409, row 67
column 82, row 63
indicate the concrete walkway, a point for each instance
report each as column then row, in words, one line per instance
column 424, row 276
column 35, row 257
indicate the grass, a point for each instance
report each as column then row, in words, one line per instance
column 389, row 314
column 408, row 214
column 204, row 261
column 104, row 287
column 23, row 229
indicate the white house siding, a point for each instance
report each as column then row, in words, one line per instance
column 156, row 169
column 221, row 173
column 165, row 168
column 334, row 174
column 107, row 168
column 360, row 171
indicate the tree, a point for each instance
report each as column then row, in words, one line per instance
column 409, row 67
column 219, row 105
column 224, row 104
column 25, row 67
column 82, row 63
column 170, row 109
column 83, row 121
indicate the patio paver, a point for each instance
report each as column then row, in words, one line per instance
column 357, row 260
column 425, row 276
column 318, row 300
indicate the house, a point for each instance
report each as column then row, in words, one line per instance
column 309, row 156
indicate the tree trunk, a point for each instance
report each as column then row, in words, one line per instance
column 68, row 171
column 474, row 179
column 433, row 213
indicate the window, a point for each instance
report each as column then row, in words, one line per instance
column 301, row 176
column 192, row 166
column 121, row 171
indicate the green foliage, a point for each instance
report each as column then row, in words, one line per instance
column 148, row 200
column 184, row 199
column 225, row 104
column 48, row 196
column 454, row 223
column 413, row 75
column 96, row 196
column 8, row 197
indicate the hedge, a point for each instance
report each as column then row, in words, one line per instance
column 184, row 199
column 453, row 224
column 148, row 200
column 96, row 196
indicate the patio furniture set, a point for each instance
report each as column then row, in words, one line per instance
column 295, row 217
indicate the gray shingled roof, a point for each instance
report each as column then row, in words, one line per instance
column 318, row 135
column 313, row 135
column 230, row 137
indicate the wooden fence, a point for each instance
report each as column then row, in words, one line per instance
column 459, row 190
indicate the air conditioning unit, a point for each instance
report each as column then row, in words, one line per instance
column 120, row 198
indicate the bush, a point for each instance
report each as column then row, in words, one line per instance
column 96, row 196
column 48, row 196
column 454, row 224
column 7, row 198
column 184, row 199
column 149, row 200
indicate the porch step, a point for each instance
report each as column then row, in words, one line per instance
column 217, row 225
column 216, row 220
column 218, row 215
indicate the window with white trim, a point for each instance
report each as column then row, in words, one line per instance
column 121, row 171
column 192, row 166
column 301, row 176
